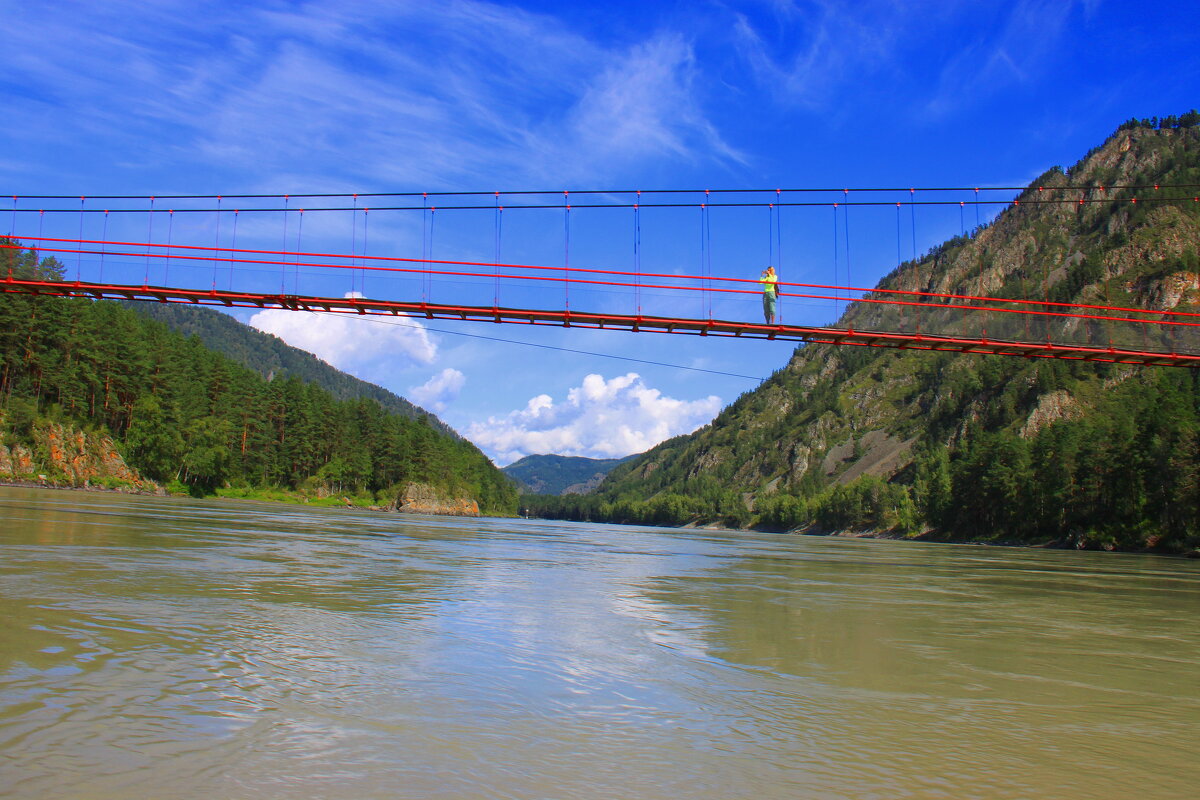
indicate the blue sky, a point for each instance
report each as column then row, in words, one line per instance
column 290, row 97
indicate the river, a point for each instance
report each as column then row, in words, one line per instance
column 161, row 647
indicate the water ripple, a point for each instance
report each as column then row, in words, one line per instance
column 162, row 646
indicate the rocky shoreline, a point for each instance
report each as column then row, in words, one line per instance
column 938, row 537
column 62, row 457
column 417, row 502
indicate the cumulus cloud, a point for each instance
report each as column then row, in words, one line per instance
column 599, row 419
column 347, row 342
column 439, row 390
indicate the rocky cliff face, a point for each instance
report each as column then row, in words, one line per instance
column 583, row 487
column 63, row 456
column 420, row 498
column 16, row 462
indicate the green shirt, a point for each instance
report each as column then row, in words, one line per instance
column 768, row 282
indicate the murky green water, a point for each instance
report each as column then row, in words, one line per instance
column 169, row 648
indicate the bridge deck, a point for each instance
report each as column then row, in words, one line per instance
column 627, row 322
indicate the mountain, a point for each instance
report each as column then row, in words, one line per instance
column 82, row 378
column 964, row 447
column 546, row 474
column 271, row 357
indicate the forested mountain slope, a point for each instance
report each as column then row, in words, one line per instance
column 270, row 356
column 181, row 413
column 992, row 448
column 551, row 474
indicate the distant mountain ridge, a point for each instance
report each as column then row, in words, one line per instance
column 272, row 357
column 557, row 475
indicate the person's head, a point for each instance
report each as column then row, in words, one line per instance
column 769, row 271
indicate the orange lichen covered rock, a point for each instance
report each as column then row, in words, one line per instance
column 420, row 498
column 64, row 456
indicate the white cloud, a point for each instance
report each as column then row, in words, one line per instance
column 348, row 342
column 599, row 419
column 439, row 390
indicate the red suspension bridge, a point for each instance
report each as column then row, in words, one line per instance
column 191, row 263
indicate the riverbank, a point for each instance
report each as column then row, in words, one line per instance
column 33, row 483
column 423, row 502
column 929, row 535
column 1070, row 542
column 60, row 456
column 416, row 499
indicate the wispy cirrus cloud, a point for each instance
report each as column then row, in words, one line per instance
column 1010, row 54
column 816, row 53
column 457, row 93
column 810, row 51
column 647, row 105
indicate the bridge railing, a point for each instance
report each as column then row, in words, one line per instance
column 482, row 256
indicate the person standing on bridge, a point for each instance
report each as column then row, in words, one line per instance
column 769, row 282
